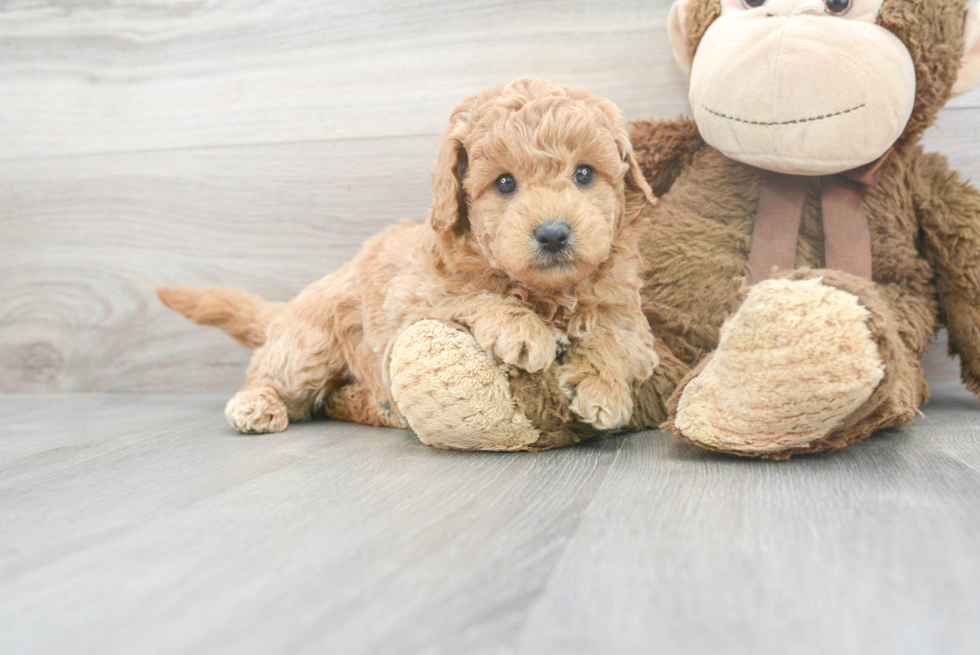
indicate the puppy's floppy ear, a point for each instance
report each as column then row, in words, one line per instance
column 638, row 192
column 449, row 211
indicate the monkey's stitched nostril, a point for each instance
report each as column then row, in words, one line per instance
column 552, row 236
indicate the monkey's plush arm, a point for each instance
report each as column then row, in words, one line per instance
column 949, row 215
column 664, row 148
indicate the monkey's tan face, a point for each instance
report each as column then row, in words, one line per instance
column 806, row 87
column 546, row 201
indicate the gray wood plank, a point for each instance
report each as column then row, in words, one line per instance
column 140, row 523
column 170, row 534
column 138, row 75
column 870, row 550
column 86, row 238
column 956, row 134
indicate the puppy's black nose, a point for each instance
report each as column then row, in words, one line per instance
column 552, row 236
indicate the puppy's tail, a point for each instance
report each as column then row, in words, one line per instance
column 244, row 316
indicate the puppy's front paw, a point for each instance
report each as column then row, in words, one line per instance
column 257, row 411
column 522, row 340
column 604, row 403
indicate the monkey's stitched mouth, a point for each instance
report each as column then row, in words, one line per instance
column 777, row 123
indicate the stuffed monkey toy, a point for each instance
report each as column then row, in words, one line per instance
column 804, row 252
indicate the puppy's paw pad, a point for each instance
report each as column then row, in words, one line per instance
column 257, row 412
column 603, row 404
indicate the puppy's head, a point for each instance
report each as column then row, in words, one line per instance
column 539, row 179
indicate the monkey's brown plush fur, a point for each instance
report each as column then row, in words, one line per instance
column 924, row 221
column 925, row 241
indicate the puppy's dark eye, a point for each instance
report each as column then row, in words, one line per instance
column 754, row 3
column 838, row 7
column 584, row 175
column 505, row 184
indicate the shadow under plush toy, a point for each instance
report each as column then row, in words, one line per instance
column 805, row 249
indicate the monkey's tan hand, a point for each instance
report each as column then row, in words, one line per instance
column 518, row 338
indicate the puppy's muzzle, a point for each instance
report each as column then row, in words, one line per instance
column 553, row 237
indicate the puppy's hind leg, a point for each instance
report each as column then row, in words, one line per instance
column 359, row 402
column 289, row 376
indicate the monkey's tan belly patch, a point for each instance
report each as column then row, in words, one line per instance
column 794, row 361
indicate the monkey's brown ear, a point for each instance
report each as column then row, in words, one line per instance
column 677, row 31
column 686, row 24
column 449, row 210
column 969, row 77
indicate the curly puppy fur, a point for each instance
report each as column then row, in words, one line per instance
column 475, row 263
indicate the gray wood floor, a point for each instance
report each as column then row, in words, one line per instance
column 257, row 143
column 142, row 524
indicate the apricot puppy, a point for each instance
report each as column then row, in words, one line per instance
column 531, row 244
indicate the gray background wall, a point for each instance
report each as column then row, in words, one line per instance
column 257, row 144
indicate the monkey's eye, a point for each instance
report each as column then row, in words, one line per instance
column 838, row 7
column 505, row 185
column 754, row 3
column 584, row 175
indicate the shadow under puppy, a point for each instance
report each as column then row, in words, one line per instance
column 531, row 244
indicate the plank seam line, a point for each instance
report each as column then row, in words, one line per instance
column 223, row 146
column 524, row 627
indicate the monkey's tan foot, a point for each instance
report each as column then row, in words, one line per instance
column 257, row 411
column 800, row 361
column 603, row 403
column 453, row 394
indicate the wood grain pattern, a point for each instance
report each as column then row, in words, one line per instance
column 339, row 538
column 257, row 144
column 868, row 550
column 139, row 75
column 76, row 301
column 141, row 523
